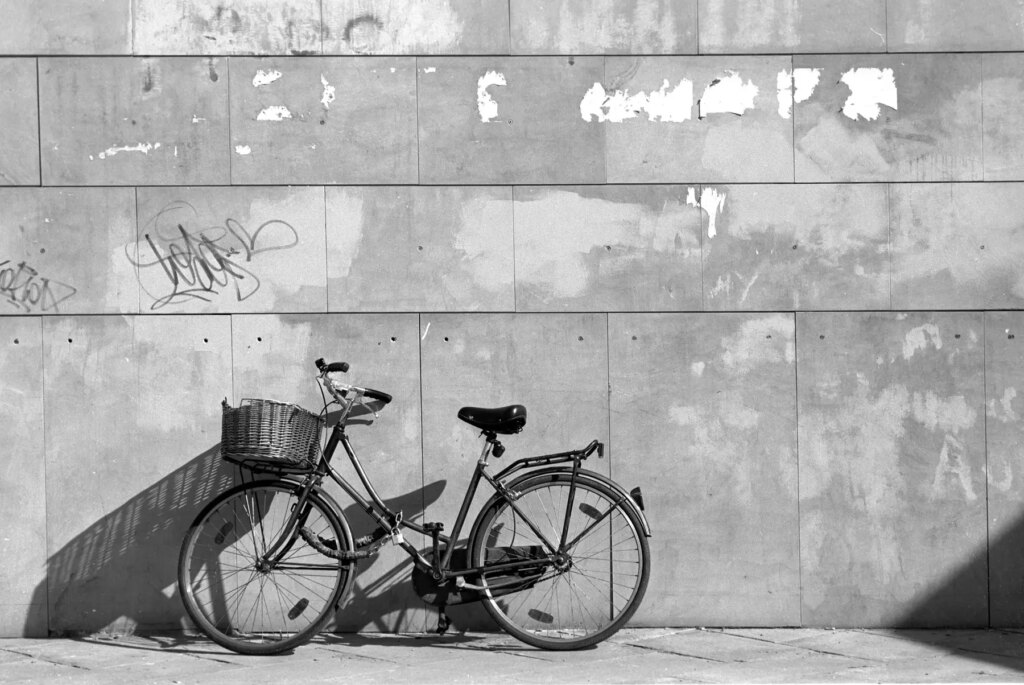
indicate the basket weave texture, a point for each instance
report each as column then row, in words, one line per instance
column 265, row 435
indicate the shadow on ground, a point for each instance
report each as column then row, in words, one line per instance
column 119, row 576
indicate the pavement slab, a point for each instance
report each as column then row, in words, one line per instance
column 649, row 655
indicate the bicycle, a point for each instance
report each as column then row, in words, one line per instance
column 558, row 555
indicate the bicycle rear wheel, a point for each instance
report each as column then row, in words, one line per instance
column 595, row 585
column 245, row 602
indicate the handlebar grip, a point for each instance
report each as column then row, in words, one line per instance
column 377, row 395
column 332, row 367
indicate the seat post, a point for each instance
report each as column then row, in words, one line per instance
column 491, row 446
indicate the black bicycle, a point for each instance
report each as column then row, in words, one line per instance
column 558, row 555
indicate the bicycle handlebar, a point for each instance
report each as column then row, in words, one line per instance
column 343, row 367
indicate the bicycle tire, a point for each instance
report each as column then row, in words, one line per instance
column 254, row 610
column 600, row 586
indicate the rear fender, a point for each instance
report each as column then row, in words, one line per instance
column 585, row 474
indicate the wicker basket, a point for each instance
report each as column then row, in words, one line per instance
column 264, row 435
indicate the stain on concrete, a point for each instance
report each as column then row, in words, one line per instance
column 19, row 110
column 613, row 248
column 798, row 247
column 892, row 445
column 707, row 403
column 420, row 249
column 604, row 26
column 935, row 134
column 957, row 246
column 1003, row 91
column 940, row 26
column 227, row 27
column 408, row 27
column 327, row 120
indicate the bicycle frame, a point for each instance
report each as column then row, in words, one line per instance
column 390, row 522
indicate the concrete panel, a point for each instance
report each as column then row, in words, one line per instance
column 416, row 27
column 22, row 479
column 632, row 27
column 1003, row 91
column 787, row 26
column 892, row 469
column 1004, row 432
column 66, row 27
column 227, row 27
column 790, row 247
column 955, row 25
column 420, row 249
column 958, row 246
column 135, row 121
column 934, row 133
column 704, row 420
column 230, row 249
column 273, row 357
column 323, row 120
column 130, row 456
column 68, row 255
column 508, row 120
column 19, row 110
column 607, row 248
column 755, row 146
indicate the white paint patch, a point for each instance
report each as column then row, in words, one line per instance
column 953, row 463
column 485, row 104
column 697, row 369
column 328, row 95
column 671, row 104
column 764, row 340
column 727, row 95
column 144, row 148
column 243, row 150
column 429, row 70
column 869, row 88
column 919, row 338
column 795, row 86
column 1003, row 410
column 274, row 113
column 683, row 416
column 425, row 331
column 949, row 415
column 712, row 202
column 196, row 118
column 265, row 78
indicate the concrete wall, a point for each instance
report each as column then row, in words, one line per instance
column 771, row 254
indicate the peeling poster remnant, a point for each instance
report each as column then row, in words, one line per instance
column 869, row 88
column 144, row 148
column 797, row 86
column 674, row 105
column 486, row 105
column 711, row 201
column 274, row 113
column 726, row 95
column 263, row 78
column 328, row 95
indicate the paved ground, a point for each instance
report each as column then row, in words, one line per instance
column 632, row 656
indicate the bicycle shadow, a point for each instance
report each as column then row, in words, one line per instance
column 119, row 575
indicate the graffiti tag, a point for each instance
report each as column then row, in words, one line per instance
column 23, row 287
column 200, row 263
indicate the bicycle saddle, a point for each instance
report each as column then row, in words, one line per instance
column 505, row 420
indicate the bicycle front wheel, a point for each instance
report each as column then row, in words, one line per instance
column 248, row 601
column 596, row 581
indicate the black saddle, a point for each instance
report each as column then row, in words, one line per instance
column 505, row 420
